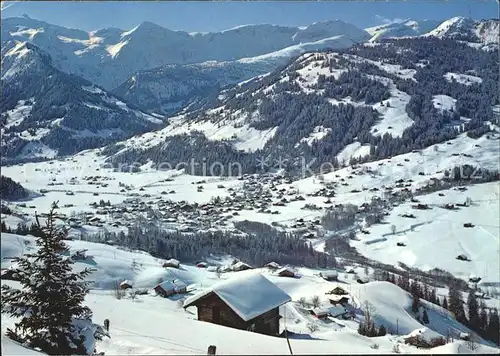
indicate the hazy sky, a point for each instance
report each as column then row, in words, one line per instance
column 215, row 16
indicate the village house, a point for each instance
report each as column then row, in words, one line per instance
column 320, row 313
column 240, row 266
column 285, row 272
column 272, row 266
column 168, row 288
column 338, row 291
column 248, row 302
column 125, row 285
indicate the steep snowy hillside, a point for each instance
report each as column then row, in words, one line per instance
column 170, row 88
column 323, row 105
column 108, row 57
column 46, row 112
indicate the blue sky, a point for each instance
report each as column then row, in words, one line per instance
column 216, row 16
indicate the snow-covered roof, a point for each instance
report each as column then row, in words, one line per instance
column 273, row 265
column 173, row 261
column 337, row 297
column 248, row 295
column 425, row 333
column 172, row 285
column 329, row 274
column 336, row 310
column 285, row 269
column 240, row 264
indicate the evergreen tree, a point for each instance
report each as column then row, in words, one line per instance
column 425, row 317
column 50, row 303
column 493, row 331
column 415, row 305
column 473, row 311
column 445, row 303
column 455, row 303
column 483, row 320
column 382, row 331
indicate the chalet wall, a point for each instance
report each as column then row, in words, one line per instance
column 267, row 323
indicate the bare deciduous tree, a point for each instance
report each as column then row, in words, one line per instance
column 315, row 301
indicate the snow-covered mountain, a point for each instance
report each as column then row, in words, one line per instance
column 46, row 112
column 407, row 28
column 485, row 31
column 108, row 57
column 370, row 101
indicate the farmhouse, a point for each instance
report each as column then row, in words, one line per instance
column 168, row 288
column 250, row 302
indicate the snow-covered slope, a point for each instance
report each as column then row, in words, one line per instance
column 168, row 89
column 136, row 324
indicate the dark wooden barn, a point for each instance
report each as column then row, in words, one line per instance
column 250, row 302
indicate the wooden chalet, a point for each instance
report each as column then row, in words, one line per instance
column 320, row 313
column 338, row 291
column 240, row 266
column 125, row 285
column 172, row 263
column 329, row 275
column 363, row 280
column 338, row 299
column 248, row 302
column 272, row 266
column 285, row 272
column 168, row 288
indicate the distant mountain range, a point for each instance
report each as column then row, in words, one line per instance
column 68, row 89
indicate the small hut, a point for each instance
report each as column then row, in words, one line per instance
column 272, row 266
column 240, row 266
column 172, row 263
column 329, row 275
column 285, row 272
column 363, row 280
column 338, row 291
column 125, row 285
column 168, row 288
